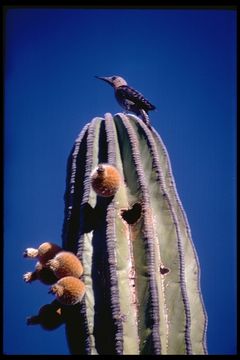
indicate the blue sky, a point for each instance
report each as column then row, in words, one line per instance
column 184, row 62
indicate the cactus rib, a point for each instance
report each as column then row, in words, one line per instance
column 148, row 239
column 160, row 180
column 186, row 231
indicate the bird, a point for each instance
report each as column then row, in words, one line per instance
column 129, row 98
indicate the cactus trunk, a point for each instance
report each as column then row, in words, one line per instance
column 141, row 270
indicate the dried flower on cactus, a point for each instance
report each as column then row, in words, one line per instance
column 64, row 264
column 68, row 290
column 42, row 273
column 105, row 180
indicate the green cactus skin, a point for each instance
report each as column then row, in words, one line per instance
column 141, row 269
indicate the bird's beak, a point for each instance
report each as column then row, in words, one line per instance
column 107, row 79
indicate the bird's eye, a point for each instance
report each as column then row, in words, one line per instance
column 114, row 78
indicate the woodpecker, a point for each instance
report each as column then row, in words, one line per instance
column 128, row 98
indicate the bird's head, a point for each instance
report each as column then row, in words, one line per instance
column 114, row 81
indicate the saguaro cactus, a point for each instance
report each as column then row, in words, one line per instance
column 141, row 270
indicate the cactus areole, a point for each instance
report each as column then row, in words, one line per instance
column 141, row 269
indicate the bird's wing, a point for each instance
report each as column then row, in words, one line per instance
column 125, row 92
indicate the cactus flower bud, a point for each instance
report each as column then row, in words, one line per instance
column 45, row 252
column 49, row 317
column 105, row 180
column 68, row 290
column 64, row 264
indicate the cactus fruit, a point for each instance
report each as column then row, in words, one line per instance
column 42, row 273
column 64, row 264
column 49, row 316
column 141, row 269
column 45, row 252
column 68, row 290
column 105, row 180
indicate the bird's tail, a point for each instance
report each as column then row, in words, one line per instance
column 145, row 117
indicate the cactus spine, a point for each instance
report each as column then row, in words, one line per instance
column 141, row 270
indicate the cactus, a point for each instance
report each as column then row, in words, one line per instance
column 141, row 270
